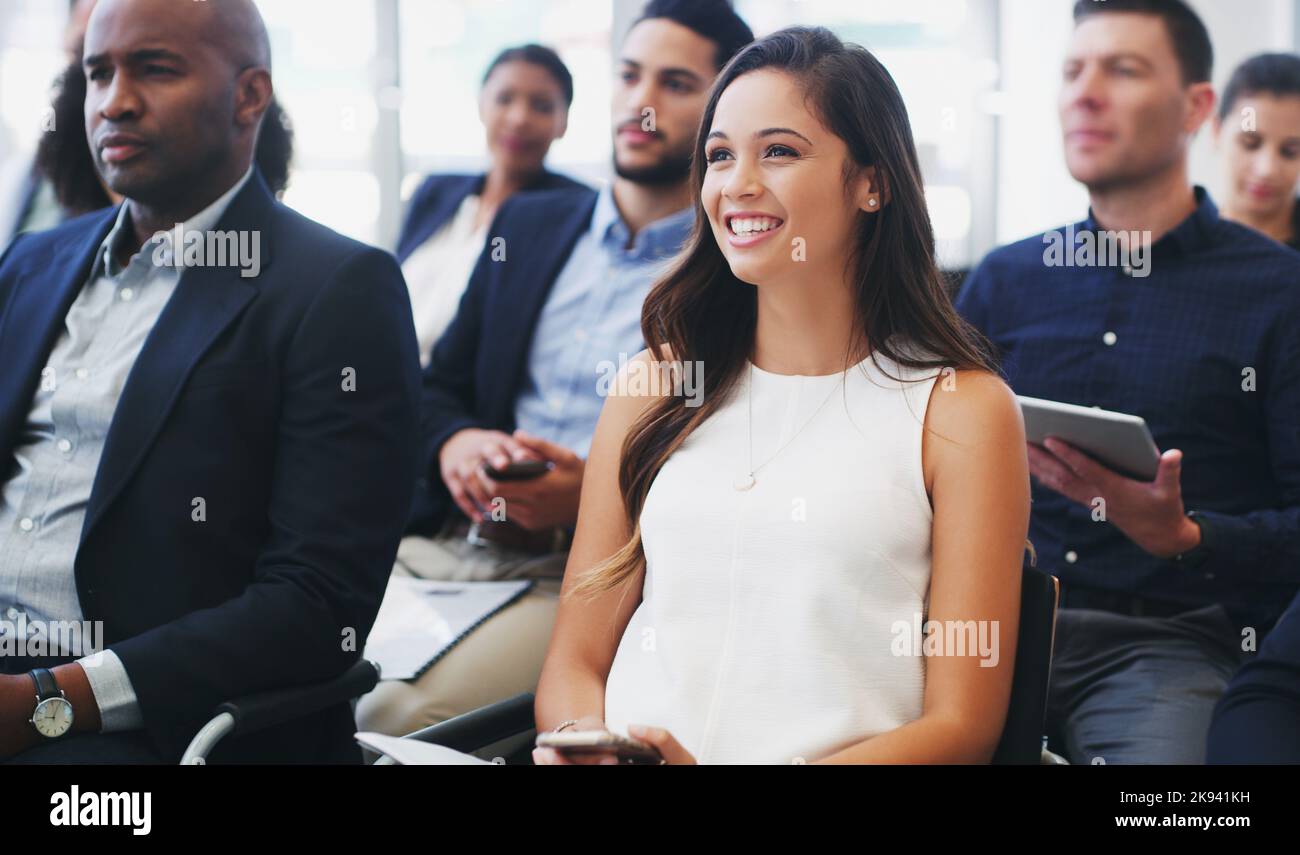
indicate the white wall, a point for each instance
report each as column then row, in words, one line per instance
column 1035, row 192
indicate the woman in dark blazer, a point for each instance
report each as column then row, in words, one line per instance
column 524, row 105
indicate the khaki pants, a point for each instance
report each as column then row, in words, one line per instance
column 499, row 659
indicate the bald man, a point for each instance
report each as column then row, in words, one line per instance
column 207, row 425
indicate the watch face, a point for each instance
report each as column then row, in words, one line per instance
column 53, row 717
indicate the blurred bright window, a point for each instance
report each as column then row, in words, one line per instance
column 942, row 55
column 31, row 56
column 368, row 127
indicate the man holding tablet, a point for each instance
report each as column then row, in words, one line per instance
column 1160, row 578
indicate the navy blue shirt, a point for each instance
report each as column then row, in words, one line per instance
column 1206, row 348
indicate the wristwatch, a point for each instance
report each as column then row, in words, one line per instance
column 53, row 714
column 1197, row 555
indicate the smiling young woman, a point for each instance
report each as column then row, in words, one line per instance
column 740, row 566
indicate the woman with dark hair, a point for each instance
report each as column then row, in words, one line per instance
column 63, row 157
column 771, row 570
column 1257, row 131
column 524, row 105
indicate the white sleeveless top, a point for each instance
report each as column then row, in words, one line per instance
column 766, row 630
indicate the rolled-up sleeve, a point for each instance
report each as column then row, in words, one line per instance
column 111, row 685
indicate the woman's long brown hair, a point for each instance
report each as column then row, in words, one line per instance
column 699, row 312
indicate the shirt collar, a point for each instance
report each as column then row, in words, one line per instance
column 1195, row 231
column 664, row 236
column 203, row 221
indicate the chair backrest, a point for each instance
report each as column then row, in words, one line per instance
column 1022, row 735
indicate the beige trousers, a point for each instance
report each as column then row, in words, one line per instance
column 498, row 659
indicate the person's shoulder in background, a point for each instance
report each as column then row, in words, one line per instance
column 316, row 254
column 1294, row 243
column 33, row 253
column 556, row 181
column 433, row 186
column 460, row 185
column 542, row 210
column 1266, row 265
column 439, row 195
column 1025, row 255
column 1007, row 268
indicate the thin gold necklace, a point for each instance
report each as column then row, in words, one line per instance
column 747, row 482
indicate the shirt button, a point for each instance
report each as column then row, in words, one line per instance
column 12, row 614
column 127, row 295
column 1071, row 557
column 65, row 446
column 1128, row 271
column 1110, row 338
column 26, row 524
column 82, row 374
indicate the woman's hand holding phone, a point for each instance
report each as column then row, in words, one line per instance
column 597, row 746
column 545, row 756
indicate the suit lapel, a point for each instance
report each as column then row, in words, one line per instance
column 206, row 301
column 33, row 321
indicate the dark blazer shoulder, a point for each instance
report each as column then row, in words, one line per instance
column 446, row 184
column 556, row 206
column 437, row 198
column 307, row 255
column 44, row 243
column 325, row 244
column 431, row 205
column 558, row 181
column 36, row 256
column 457, row 186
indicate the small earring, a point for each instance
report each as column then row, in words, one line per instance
column 871, row 203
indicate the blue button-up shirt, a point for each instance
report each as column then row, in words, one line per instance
column 591, row 319
column 1205, row 348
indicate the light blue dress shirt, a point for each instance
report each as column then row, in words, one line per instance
column 43, row 504
column 593, row 316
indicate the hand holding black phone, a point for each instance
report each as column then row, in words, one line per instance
column 518, row 470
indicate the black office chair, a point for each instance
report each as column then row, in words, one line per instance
column 506, row 729
column 268, row 709
column 1022, row 735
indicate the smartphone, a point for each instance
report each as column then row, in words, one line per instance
column 518, row 470
column 587, row 742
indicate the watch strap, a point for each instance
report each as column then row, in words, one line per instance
column 46, row 686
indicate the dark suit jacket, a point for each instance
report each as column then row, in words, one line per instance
column 1258, row 718
column 478, row 365
column 237, row 397
column 438, row 198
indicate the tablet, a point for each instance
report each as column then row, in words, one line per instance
column 1117, row 440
